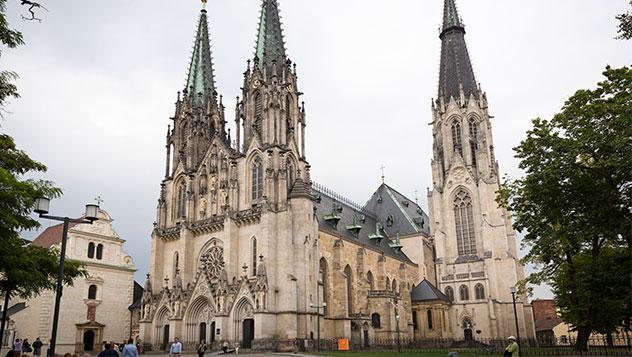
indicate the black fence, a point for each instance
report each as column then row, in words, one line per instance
column 617, row 346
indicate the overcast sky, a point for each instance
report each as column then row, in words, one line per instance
column 99, row 79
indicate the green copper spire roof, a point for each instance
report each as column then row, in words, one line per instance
column 456, row 68
column 200, row 78
column 270, row 46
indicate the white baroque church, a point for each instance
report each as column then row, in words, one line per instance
column 245, row 244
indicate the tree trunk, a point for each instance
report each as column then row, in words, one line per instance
column 583, row 333
column 5, row 306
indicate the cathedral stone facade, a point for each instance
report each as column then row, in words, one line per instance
column 247, row 248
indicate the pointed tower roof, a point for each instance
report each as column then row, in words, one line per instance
column 201, row 78
column 456, row 68
column 270, row 45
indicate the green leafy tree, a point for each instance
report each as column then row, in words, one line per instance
column 25, row 270
column 625, row 25
column 575, row 204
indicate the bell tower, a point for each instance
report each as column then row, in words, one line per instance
column 476, row 256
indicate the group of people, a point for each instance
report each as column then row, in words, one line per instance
column 129, row 349
column 23, row 348
column 176, row 348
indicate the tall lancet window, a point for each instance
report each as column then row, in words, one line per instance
column 464, row 221
column 456, row 137
column 182, row 201
column 473, row 139
column 257, row 178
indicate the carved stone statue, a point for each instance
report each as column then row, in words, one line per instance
column 223, row 197
column 203, row 204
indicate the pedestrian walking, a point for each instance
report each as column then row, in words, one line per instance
column 26, row 347
column 201, row 350
column 176, row 348
column 17, row 347
column 512, row 348
column 37, row 347
column 129, row 350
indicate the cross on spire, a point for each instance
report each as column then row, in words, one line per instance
column 382, row 168
column 99, row 200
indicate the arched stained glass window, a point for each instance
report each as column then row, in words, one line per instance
column 464, row 223
column 429, row 318
column 324, row 281
column 456, row 137
column 375, row 320
column 182, row 201
column 464, row 293
column 257, row 179
column 479, row 291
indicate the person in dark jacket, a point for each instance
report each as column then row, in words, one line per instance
column 108, row 351
column 37, row 347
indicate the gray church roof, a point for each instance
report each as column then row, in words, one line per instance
column 425, row 291
column 369, row 225
column 456, row 68
column 397, row 212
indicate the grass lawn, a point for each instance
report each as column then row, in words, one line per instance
column 390, row 353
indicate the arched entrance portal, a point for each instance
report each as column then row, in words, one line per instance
column 88, row 340
column 244, row 323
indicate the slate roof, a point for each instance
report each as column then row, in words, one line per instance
column 406, row 217
column 51, row 235
column 331, row 207
column 200, row 78
column 456, row 67
column 425, row 291
column 138, row 295
column 270, row 45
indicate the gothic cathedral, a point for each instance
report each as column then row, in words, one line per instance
column 246, row 248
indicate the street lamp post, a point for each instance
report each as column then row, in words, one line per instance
column 41, row 207
column 513, row 297
column 318, row 307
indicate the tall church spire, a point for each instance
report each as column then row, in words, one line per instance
column 456, row 69
column 270, row 45
column 200, row 81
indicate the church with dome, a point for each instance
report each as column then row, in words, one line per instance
column 248, row 248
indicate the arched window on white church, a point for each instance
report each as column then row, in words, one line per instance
column 473, row 126
column 456, row 137
column 257, row 179
column 182, row 201
column 464, row 223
